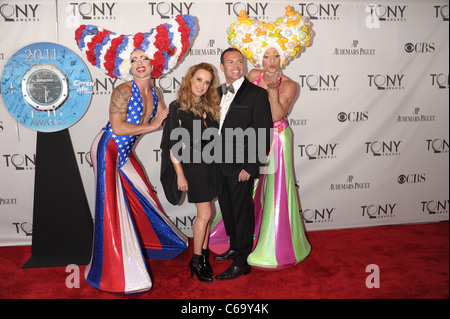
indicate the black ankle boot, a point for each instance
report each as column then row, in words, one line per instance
column 205, row 261
column 197, row 267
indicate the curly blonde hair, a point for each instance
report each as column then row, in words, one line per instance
column 211, row 100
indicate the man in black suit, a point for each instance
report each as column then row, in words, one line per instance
column 245, row 130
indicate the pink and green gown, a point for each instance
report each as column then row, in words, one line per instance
column 279, row 241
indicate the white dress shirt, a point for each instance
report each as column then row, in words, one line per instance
column 227, row 99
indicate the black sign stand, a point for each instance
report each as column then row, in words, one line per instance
column 62, row 222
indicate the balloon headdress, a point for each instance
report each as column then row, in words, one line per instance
column 288, row 35
column 165, row 46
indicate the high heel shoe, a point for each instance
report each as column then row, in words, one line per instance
column 205, row 261
column 200, row 272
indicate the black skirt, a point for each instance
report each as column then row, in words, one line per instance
column 203, row 181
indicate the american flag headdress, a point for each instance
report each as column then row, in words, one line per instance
column 165, row 45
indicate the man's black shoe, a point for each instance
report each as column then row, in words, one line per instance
column 233, row 272
column 229, row 254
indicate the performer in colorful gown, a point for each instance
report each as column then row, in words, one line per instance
column 130, row 224
column 280, row 241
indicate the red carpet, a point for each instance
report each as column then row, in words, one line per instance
column 413, row 262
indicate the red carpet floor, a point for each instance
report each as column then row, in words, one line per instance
column 413, row 263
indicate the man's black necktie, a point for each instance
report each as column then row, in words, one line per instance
column 227, row 88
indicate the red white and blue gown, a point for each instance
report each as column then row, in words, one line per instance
column 130, row 224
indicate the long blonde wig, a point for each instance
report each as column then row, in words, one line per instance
column 211, row 100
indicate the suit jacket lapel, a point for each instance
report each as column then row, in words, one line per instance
column 239, row 93
column 236, row 98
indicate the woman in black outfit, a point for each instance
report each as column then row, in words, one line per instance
column 195, row 110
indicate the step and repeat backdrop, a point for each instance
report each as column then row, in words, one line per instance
column 370, row 123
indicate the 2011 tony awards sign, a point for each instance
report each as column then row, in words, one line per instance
column 46, row 87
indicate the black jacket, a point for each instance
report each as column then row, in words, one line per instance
column 250, row 109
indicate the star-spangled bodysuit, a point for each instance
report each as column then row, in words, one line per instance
column 130, row 224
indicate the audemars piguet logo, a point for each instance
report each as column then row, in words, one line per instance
column 415, row 117
column 349, row 184
column 8, row 201
column 210, row 49
column 355, row 49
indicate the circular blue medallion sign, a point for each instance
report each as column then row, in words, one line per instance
column 46, row 87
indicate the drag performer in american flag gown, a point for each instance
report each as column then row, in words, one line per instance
column 130, row 224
